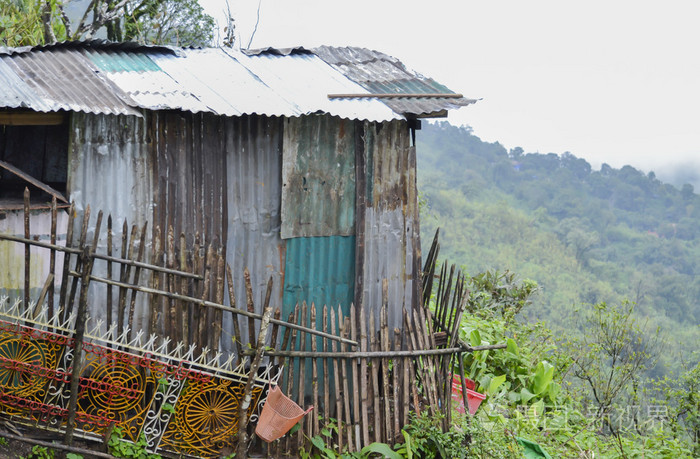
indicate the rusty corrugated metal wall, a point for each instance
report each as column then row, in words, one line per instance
column 318, row 211
column 388, row 244
column 224, row 178
column 111, row 169
column 318, row 177
column 189, row 174
column 254, row 162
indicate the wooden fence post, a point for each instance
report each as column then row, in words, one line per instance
column 86, row 263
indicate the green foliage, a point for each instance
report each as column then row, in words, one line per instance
column 166, row 22
column 427, row 440
column 586, row 236
column 40, row 452
column 119, row 447
column 21, row 22
column 170, row 22
column 612, row 350
column 73, row 456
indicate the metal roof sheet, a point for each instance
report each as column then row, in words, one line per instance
column 58, row 80
column 112, row 78
column 307, row 80
column 380, row 73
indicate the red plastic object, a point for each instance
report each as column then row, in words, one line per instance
column 474, row 398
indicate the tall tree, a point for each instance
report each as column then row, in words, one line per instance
column 170, row 22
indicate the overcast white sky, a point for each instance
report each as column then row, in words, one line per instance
column 610, row 81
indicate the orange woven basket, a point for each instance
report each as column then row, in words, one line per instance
column 279, row 414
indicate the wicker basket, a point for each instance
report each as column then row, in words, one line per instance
column 279, row 414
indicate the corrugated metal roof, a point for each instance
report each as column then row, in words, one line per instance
column 380, row 73
column 118, row 78
column 61, row 79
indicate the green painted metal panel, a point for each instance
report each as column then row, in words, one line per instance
column 319, row 270
column 318, row 177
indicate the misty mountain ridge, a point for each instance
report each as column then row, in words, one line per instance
column 584, row 235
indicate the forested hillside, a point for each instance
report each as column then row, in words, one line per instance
column 585, row 236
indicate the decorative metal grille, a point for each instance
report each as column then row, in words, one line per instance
column 177, row 400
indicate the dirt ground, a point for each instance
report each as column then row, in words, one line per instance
column 11, row 448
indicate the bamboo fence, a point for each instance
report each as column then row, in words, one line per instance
column 363, row 378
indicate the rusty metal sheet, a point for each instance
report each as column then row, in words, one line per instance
column 189, row 175
column 100, row 77
column 380, row 73
column 60, row 79
column 110, row 169
column 253, row 150
column 389, row 223
column 318, row 177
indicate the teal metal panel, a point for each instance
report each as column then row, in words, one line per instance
column 122, row 62
column 319, row 270
column 318, row 177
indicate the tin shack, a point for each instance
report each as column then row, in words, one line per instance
column 299, row 163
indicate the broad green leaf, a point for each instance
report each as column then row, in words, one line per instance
column 475, row 338
column 409, row 447
column 512, row 347
column 318, row 442
column 525, row 395
column 380, row 448
column 543, row 376
column 495, row 384
column 554, row 389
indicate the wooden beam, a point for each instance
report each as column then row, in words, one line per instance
column 397, row 95
column 31, row 118
column 28, row 178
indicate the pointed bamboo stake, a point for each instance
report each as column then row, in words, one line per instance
column 242, row 447
column 289, row 380
column 63, row 293
column 405, row 400
column 52, row 255
column 411, row 342
column 326, row 369
column 384, row 331
column 396, row 385
column 363, row 379
column 198, row 285
column 375, row 382
column 27, row 250
column 234, row 318
column 183, row 311
column 156, row 309
column 250, row 305
column 336, row 378
column 302, row 371
column 109, row 271
column 355, row 382
column 78, row 261
column 219, row 298
column 314, row 372
column 137, row 275
column 202, row 311
column 344, row 375
column 126, row 272
column 87, row 264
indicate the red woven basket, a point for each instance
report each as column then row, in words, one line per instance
column 279, row 414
